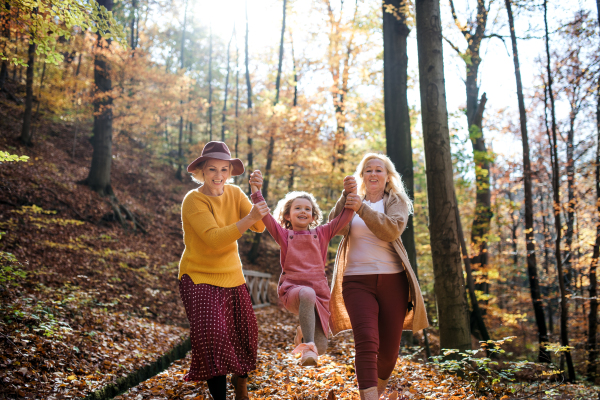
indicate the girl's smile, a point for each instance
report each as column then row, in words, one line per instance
column 301, row 214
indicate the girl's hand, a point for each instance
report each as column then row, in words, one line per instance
column 256, row 181
column 353, row 201
column 350, row 185
column 259, row 210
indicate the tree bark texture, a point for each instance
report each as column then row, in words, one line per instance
column 445, row 249
column 534, row 284
column 397, row 119
column 26, row 128
column 592, row 370
column 99, row 176
column 564, row 307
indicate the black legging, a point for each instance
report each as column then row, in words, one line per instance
column 217, row 386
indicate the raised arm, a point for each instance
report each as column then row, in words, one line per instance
column 277, row 231
column 204, row 224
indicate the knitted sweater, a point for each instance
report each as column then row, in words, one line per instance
column 210, row 236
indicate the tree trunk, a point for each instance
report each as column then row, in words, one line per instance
column 569, row 273
column 249, row 93
column 592, row 370
column 132, row 43
column 534, row 284
column 292, row 163
column 237, row 97
column 4, row 19
column 564, row 308
column 179, row 174
column 445, row 249
column 210, row 105
column 26, row 129
column 476, row 315
column 252, row 256
column 397, row 119
column 475, row 108
column 99, row 176
column 223, row 114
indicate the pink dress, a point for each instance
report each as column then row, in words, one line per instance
column 303, row 260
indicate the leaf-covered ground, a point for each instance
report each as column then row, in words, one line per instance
column 279, row 376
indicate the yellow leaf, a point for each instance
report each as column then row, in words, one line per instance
column 72, row 378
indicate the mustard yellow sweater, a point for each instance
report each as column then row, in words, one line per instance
column 210, row 236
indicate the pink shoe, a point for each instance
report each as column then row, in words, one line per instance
column 310, row 355
column 298, row 338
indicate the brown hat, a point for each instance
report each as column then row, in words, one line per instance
column 218, row 151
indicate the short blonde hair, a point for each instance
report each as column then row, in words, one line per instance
column 284, row 207
column 197, row 174
column 395, row 184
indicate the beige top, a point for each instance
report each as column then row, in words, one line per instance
column 387, row 226
column 367, row 254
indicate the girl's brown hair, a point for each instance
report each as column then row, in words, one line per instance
column 284, row 207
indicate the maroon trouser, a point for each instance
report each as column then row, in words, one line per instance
column 377, row 306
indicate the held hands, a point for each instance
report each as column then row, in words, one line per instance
column 256, row 181
column 259, row 210
column 350, row 185
column 353, row 201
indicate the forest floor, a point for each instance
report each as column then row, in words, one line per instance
column 85, row 301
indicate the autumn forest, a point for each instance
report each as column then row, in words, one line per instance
column 489, row 110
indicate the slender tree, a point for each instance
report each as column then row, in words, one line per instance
column 564, row 307
column 476, row 315
column 237, row 96
column 249, row 94
column 534, row 284
column 474, row 33
column 292, row 163
column 26, row 128
column 179, row 174
column 5, row 32
column 265, row 188
column 224, row 113
column 210, row 89
column 445, row 249
column 99, row 176
column 592, row 370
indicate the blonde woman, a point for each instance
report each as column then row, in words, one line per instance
column 373, row 282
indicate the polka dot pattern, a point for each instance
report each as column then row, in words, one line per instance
column 223, row 329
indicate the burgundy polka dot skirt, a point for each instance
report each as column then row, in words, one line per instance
column 223, row 329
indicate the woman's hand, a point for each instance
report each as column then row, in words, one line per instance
column 353, row 201
column 256, row 181
column 350, row 185
column 259, row 210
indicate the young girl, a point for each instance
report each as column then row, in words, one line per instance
column 303, row 286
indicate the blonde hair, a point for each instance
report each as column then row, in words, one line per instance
column 197, row 174
column 284, row 207
column 395, row 183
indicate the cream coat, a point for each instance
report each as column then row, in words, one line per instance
column 387, row 226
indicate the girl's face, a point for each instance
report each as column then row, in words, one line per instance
column 375, row 176
column 216, row 173
column 301, row 214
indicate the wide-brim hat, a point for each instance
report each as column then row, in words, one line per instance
column 219, row 151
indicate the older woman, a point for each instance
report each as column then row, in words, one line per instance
column 223, row 327
column 373, row 282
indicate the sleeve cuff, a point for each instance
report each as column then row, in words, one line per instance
column 257, row 197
